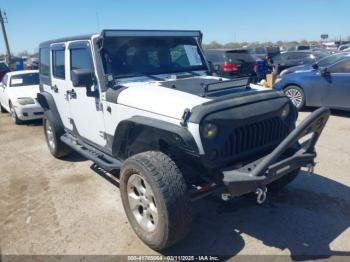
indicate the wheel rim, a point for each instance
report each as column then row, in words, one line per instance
column 295, row 96
column 49, row 135
column 142, row 202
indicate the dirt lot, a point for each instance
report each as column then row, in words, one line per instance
column 50, row 206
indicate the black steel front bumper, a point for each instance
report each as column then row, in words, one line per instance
column 273, row 166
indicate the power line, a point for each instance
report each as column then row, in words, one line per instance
column 3, row 20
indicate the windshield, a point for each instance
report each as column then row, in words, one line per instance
column 25, row 79
column 329, row 60
column 135, row 56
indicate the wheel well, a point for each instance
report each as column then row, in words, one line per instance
column 142, row 134
column 288, row 85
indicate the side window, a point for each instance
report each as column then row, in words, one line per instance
column 80, row 59
column 44, row 61
column 341, row 67
column 58, row 64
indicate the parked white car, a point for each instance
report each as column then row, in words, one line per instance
column 18, row 91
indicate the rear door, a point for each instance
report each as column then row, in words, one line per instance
column 58, row 86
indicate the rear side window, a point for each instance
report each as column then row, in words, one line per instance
column 44, row 61
column 58, row 64
column 80, row 59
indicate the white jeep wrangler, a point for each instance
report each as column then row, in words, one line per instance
column 144, row 105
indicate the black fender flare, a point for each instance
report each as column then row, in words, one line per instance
column 47, row 102
column 140, row 133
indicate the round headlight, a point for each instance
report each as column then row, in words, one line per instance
column 285, row 111
column 210, row 130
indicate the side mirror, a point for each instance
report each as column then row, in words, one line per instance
column 84, row 78
column 315, row 66
column 325, row 72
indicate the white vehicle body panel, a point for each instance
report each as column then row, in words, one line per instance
column 151, row 97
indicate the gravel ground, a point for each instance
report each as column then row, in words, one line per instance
column 56, row 207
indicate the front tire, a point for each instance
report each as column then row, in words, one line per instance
column 296, row 95
column 155, row 199
column 14, row 116
column 53, row 131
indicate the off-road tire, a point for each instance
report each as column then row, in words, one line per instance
column 14, row 116
column 2, row 109
column 171, row 197
column 289, row 90
column 283, row 181
column 59, row 150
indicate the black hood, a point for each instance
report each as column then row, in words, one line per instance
column 196, row 86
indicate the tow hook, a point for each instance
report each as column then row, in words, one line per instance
column 261, row 194
column 310, row 168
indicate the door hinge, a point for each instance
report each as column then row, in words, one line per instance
column 103, row 134
column 185, row 116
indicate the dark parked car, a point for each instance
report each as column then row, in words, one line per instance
column 324, row 84
column 3, row 70
column 294, row 58
column 233, row 63
column 262, row 52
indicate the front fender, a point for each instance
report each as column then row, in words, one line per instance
column 139, row 134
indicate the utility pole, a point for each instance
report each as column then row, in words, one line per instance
column 3, row 20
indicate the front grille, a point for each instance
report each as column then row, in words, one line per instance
column 254, row 136
column 38, row 113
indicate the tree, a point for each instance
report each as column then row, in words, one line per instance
column 212, row 44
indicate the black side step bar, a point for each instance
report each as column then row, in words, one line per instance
column 103, row 160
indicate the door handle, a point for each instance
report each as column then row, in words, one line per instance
column 54, row 88
column 71, row 93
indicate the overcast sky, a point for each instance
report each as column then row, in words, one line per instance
column 33, row 21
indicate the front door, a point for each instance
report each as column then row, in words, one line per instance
column 338, row 92
column 86, row 113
